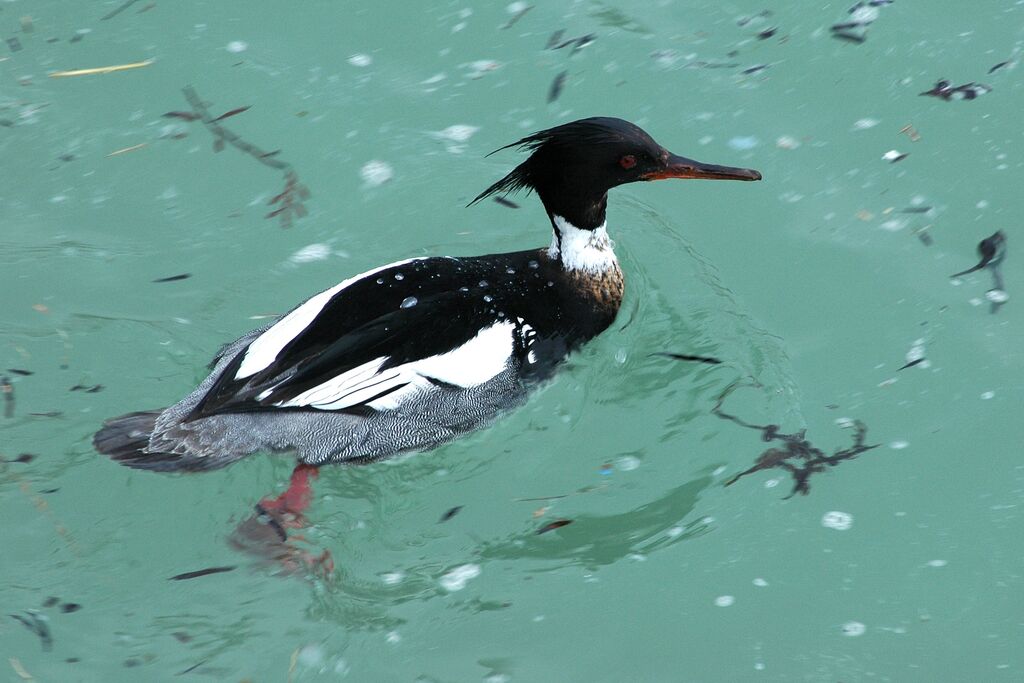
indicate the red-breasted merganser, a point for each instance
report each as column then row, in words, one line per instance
column 412, row 354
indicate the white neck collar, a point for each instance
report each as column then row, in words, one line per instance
column 577, row 249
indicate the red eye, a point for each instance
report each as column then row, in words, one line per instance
column 627, row 162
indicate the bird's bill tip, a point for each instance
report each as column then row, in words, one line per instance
column 681, row 167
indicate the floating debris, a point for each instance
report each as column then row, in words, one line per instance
column 892, row 156
column 551, row 526
column 101, row 69
column 290, row 200
column 449, row 514
column 991, row 250
column 23, row 458
column 14, row 43
column 556, row 86
column 37, row 625
column 19, row 371
column 755, row 69
column 910, row 132
column 916, row 209
column 946, row 91
column 376, row 172
column 799, row 456
column 7, row 389
column 1000, row 65
column 125, row 150
column 94, row 389
column 682, row 356
column 174, row 278
column 69, row 607
column 861, row 16
column 925, row 236
column 201, row 572
column 518, row 10
column 767, row 33
column 743, row 21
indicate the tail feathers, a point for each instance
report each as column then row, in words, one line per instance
column 126, row 438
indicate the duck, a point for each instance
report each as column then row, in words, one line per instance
column 413, row 354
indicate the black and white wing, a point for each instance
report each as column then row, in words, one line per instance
column 374, row 341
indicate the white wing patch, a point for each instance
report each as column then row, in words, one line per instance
column 473, row 363
column 264, row 350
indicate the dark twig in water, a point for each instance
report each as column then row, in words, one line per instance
column 201, row 572
column 192, row 668
column 506, row 202
column 117, row 10
column 173, row 278
column 556, row 86
column 37, row 625
column 555, row 39
column 683, row 356
column 449, row 514
column 94, row 389
column 798, row 456
column 998, row 66
column 551, row 526
column 18, row 371
column 916, row 361
column 767, row 33
column 991, row 250
column 290, row 200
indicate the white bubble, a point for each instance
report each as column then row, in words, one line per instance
column 409, row 302
column 311, row 252
column 237, row 46
column 899, row 445
column 840, row 521
column 988, row 395
column 394, row 637
column 771, row 483
column 724, row 601
column 937, row 563
column 864, row 124
column 360, row 60
column 310, row 656
column 787, row 142
column 456, row 579
column 457, row 133
column 741, row 142
column 854, row 629
column 892, row 155
column 759, row 582
column 674, row 532
column 376, row 172
column 627, row 463
column 516, row 7
column 844, row 422
column 997, row 296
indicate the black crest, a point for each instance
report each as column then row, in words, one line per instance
column 572, row 166
column 567, row 145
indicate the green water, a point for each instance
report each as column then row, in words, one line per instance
column 812, row 282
